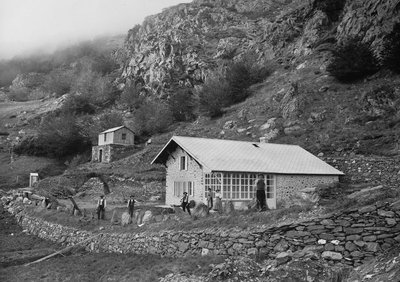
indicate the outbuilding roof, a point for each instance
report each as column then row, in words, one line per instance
column 240, row 156
column 115, row 129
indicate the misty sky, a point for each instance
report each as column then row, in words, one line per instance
column 27, row 25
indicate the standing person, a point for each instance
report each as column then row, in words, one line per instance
column 185, row 202
column 131, row 205
column 209, row 199
column 260, row 186
column 101, row 207
column 218, row 201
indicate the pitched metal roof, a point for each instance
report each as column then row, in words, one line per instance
column 114, row 129
column 240, row 156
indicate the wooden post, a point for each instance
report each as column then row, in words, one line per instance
column 75, row 206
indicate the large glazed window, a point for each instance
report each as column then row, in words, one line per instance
column 237, row 186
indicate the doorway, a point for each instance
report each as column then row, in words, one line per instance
column 100, row 155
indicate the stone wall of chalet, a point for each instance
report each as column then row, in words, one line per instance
column 350, row 237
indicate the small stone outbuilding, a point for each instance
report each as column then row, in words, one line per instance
column 112, row 144
column 196, row 164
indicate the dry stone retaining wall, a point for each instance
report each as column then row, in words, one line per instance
column 350, row 237
column 376, row 170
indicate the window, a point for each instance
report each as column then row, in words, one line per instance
column 270, row 185
column 212, row 181
column 123, row 136
column 183, row 186
column 183, row 163
column 105, row 137
column 237, row 185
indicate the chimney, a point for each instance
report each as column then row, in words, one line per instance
column 263, row 139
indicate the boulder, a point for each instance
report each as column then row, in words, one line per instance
column 229, row 207
column 125, row 218
column 147, row 217
column 332, row 255
column 200, row 210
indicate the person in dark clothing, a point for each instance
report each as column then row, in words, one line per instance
column 185, row 202
column 131, row 205
column 101, row 207
column 209, row 199
column 260, row 188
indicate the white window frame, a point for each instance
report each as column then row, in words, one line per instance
column 183, row 186
column 183, row 163
column 123, row 136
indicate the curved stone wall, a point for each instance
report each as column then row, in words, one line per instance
column 350, row 237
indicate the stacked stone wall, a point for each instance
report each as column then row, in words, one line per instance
column 350, row 237
column 111, row 152
column 375, row 170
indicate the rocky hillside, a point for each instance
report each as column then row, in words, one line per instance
column 183, row 43
column 300, row 102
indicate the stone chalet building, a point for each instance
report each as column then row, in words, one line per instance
column 113, row 143
column 196, row 164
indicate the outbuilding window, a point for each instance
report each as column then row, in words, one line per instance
column 105, row 137
column 123, row 136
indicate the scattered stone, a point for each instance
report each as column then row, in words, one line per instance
column 147, row 217
column 125, row 218
column 332, row 255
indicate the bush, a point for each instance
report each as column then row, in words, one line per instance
column 78, row 104
column 58, row 82
column 58, row 136
column 182, row 105
column 213, row 96
column 19, row 94
column 230, row 85
column 132, row 96
column 152, row 117
column 353, row 60
column 390, row 55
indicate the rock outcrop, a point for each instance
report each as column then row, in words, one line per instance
column 181, row 45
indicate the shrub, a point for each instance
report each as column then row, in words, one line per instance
column 58, row 82
column 212, row 97
column 351, row 61
column 19, row 94
column 132, row 96
column 182, row 105
column 390, row 54
column 230, row 85
column 78, row 104
column 152, row 117
column 58, row 136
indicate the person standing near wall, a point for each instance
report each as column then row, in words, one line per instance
column 218, row 201
column 101, row 207
column 185, row 202
column 209, row 199
column 131, row 205
column 260, row 188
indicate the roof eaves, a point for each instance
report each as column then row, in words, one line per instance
column 162, row 150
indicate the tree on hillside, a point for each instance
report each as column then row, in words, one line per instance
column 133, row 96
column 352, row 60
column 182, row 104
